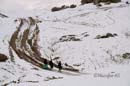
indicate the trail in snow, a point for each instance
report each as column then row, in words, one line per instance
column 89, row 55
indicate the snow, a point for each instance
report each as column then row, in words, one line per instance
column 93, row 55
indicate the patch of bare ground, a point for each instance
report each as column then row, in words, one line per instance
column 24, row 42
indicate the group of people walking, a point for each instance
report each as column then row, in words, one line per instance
column 51, row 65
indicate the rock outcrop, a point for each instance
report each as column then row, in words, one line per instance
column 3, row 58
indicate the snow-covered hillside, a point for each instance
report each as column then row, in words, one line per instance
column 94, row 40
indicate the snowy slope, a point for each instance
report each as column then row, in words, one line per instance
column 99, row 60
column 93, row 22
column 16, row 7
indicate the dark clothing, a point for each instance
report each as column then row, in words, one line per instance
column 51, row 64
column 59, row 66
column 45, row 61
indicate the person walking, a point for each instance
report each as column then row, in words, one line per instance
column 59, row 66
column 51, row 64
column 45, row 65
